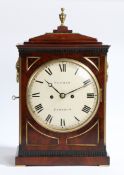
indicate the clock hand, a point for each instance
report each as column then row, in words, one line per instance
column 77, row 88
column 74, row 90
column 50, row 85
column 62, row 95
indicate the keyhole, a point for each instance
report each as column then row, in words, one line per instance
column 72, row 96
column 51, row 96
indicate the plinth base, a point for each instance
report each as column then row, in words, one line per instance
column 61, row 157
column 65, row 161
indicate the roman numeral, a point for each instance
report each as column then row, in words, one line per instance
column 49, row 119
column 90, row 95
column 86, row 82
column 62, row 67
column 38, row 81
column 38, row 108
column 36, row 94
column 76, row 71
column 86, row 109
column 48, row 71
column 62, row 122
column 76, row 118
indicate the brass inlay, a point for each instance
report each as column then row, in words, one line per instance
column 27, row 59
column 97, row 123
column 62, row 16
column 82, row 144
column 28, row 123
column 87, row 58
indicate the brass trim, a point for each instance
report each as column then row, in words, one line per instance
column 92, row 75
column 87, row 58
column 82, row 144
column 27, row 58
column 97, row 123
column 28, row 123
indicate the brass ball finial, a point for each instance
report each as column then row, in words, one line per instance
column 62, row 16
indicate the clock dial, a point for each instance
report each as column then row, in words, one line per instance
column 63, row 95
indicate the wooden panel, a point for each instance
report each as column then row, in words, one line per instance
column 87, row 137
column 35, row 137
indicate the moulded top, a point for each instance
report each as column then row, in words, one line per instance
column 63, row 39
column 62, row 35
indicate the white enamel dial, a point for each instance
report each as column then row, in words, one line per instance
column 63, row 95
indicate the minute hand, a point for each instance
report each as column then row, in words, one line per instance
column 77, row 89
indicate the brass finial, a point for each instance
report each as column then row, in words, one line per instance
column 62, row 16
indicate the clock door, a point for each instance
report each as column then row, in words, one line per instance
column 63, row 95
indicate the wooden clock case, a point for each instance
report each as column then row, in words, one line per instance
column 39, row 146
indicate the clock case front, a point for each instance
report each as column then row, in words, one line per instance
column 39, row 146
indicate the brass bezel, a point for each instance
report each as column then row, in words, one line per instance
column 84, row 67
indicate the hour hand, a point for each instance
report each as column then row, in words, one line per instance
column 51, row 85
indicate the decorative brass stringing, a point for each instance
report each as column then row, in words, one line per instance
column 27, row 59
column 28, row 123
column 17, row 70
column 97, row 123
column 91, row 62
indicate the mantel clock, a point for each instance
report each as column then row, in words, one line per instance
column 62, row 99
